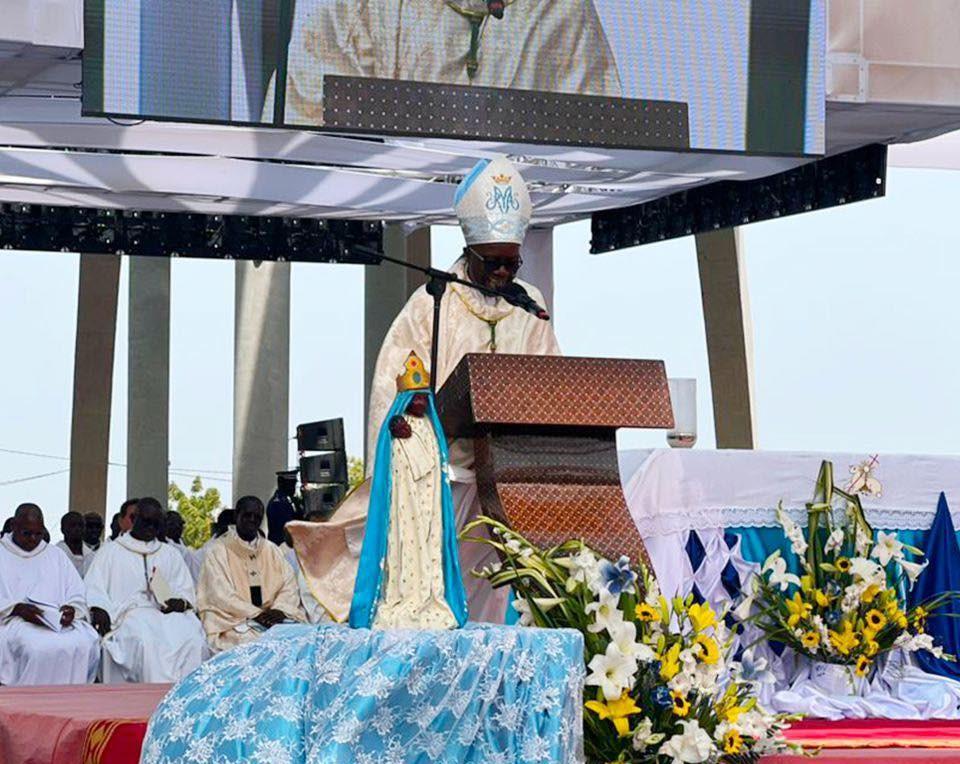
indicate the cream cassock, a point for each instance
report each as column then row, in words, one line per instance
column 34, row 654
column 144, row 644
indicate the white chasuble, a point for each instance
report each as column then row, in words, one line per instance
column 31, row 655
column 413, row 591
column 145, row 645
column 548, row 45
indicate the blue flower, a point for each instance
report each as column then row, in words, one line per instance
column 832, row 617
column 618, row 578
column 661, row 696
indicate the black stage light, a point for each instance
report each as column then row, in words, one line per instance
column 840, row 179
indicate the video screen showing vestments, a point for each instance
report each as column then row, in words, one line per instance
column 715, row 75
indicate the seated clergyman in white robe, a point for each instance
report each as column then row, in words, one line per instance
column 494, row 210
column 174, row 532
column 141, row 598
column 246, row 586
column 72, row 528
column 547, row 45
column 44, row 635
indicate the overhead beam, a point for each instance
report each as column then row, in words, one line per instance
column 93, row 382
column 729, row 333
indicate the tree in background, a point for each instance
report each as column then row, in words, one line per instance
column 354, row 471
column 199, row 509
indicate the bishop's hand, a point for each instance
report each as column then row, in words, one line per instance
column 400, row 428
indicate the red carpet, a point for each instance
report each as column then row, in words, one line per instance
column 99, row 724
column 92, row 724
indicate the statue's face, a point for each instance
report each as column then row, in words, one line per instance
column 418, row 405
column 493, row 265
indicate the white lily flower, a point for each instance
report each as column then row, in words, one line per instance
column 513, row 546
column 913, row 569
column 691, row 747
column 776, row 566
column 523, row 609
column 868, row 571
column 888, row 548
column 834, row 541
column 612, row 672
column 624, row 636
column 584, row 569
column 606, row 612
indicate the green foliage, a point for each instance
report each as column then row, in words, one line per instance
column 354, row 471
column 198, row 508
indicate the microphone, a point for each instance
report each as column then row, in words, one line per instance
column 517, row 295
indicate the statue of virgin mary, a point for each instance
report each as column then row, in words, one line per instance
column 409, row 574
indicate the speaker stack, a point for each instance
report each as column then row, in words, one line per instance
column 323, row 466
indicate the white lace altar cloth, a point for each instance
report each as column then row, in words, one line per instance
column 331, row 695
column 674, row 490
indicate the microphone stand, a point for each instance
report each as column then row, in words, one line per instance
column 437, row 281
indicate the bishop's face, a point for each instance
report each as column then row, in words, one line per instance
column 493, row 265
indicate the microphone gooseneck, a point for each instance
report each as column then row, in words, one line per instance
column 516, row 295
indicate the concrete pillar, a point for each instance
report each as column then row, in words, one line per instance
column 261, row 377
column 386, row 289
column 148, row 378
column 537, row 267
column 726, row 317
column 93, row 382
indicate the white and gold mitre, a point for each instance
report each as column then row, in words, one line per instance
column 492, row 203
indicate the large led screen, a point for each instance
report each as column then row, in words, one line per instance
column 714, row 75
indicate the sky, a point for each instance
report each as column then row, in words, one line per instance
column 854, row 312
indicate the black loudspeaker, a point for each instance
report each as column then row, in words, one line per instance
column 324, row 468
column 320, row 436
column 323, row 499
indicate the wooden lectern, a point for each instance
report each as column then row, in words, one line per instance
column 544, row 429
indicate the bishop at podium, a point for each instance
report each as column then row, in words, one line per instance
column 493, row 206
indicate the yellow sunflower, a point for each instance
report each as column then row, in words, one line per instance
column 843, row 564
column 681, row 706
column 732, row 742
column 709, row 650
column 875, row 619
column 810, row 640
column 647, row 613
column 863, row 665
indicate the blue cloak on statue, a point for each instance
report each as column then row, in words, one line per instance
column 367, row 589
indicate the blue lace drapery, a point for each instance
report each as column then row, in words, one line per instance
column 334, row 695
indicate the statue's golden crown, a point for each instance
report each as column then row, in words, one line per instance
column 502, row 179
column 415, row 376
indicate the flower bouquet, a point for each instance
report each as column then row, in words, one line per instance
column 849, row 605
column 659, row 685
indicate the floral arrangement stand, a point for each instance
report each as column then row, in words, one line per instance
column 479, row 695
column 661, row 683
column 846, row 615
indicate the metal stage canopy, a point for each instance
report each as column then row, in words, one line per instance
column 50, row 155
